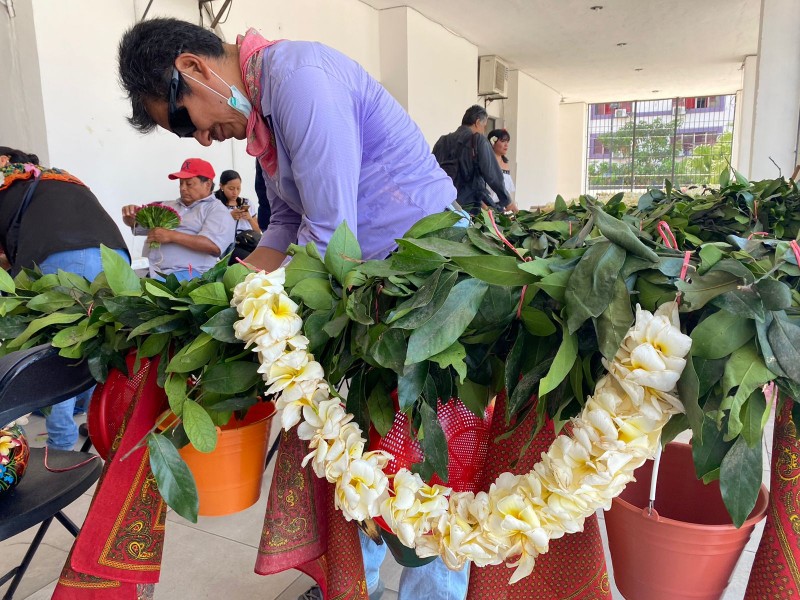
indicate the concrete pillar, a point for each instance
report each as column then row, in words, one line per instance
column 573, row 121
column 532, row 119
column 776, row 113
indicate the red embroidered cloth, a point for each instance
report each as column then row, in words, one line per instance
column 775, row 574
column 575, row 566
column 300, row 520
column 117, row 555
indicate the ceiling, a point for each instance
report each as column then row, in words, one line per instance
column 683, row 47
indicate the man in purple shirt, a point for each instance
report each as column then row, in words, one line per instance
column 333, row 144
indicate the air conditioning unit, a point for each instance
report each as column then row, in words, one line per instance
column 620, row 113
column 492, row 76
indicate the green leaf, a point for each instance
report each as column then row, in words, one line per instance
column 231, row 378
column 555, row 284
column 413, row 259
column 709, row 372
column 357, row 401
column 38, row 324
column 562, row 363
column 81, row 332
column 591, row 287
column 193, row 356
column 153, row 344
column 390, row 350
column 745, row 303
column 689, row 394
column 220, row 326
column 721, row 334
column 199, row 427
column 784, row 337
column 316, row 294
column 50, row 301
column 410, row 383
column 774, row 294
column 446, row 326
column 447, row 248
column 497, row 270
column 740, row 480
column 122, row 280
column 418, row 316
column 175, row 481
column 524, row 390
column 231, row 404
column 537, row 322
column 747, row 372
column 513, row 368
column 613, row 323
column 6, row 283
column 175, row 387
column 434, row 444
column 704, row 288
column 157, row 289
column 538, row 266
column 475, row 396
column 755, row 415
column 710, row 449
column 423, row 296
column 210, row 293
column 381, row 409
column 454, row 356
column 302, row 266
column 160, row 324
column 234, row 275
column 620, row 234
column 431, row 223
column 343, row 252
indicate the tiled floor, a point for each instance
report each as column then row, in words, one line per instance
column 214, row 558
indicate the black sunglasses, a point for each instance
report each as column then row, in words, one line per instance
column 178, row 117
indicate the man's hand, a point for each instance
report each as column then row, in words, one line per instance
column 265, row 258
column 129, row 214
column 161, row 235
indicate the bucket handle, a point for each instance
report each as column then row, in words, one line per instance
column 651, row 512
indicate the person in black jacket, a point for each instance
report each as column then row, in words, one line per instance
column 468, row 158
column 58, row 224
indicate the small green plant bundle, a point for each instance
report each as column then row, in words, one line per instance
column 157, row 215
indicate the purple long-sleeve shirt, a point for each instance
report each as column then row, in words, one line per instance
column 347, row 151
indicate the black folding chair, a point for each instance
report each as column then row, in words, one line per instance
column 31, row 379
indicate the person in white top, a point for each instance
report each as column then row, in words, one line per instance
column 499, row 139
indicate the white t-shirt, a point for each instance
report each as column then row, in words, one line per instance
column 507, row 182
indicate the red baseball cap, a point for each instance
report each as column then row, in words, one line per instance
column 192, row 167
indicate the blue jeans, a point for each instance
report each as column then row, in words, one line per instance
column 433, row 581
column 62, row 432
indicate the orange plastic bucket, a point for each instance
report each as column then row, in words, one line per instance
column 689, row 547
column 229, row 478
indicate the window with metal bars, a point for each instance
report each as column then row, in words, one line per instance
column 633, row 146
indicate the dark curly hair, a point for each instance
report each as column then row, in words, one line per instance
column 146, row 56
column 18, row 156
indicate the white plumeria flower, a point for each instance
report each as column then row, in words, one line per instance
column 414, row 507
column 362, row 488
column 296, row 375
column 259, row 284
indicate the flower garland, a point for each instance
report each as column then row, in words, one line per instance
column 618, row 429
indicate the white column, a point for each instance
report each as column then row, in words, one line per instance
column 573, row 120
column 532, row 119
column 777, row 91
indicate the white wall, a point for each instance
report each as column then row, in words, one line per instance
column 442, row 76
column 572, row 127
column 777, row 99
column 532, row 118
column 22, row 123
column 394, row 52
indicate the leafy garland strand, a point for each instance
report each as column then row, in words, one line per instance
column 618, row 429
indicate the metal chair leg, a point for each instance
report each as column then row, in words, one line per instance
column 18, row 572
column 272, row 451
column 67, row 523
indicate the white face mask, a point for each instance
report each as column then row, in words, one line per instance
column 238, row 101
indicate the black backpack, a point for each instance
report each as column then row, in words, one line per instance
column 457, row 155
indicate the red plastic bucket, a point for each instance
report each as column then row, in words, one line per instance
column 689, row 548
